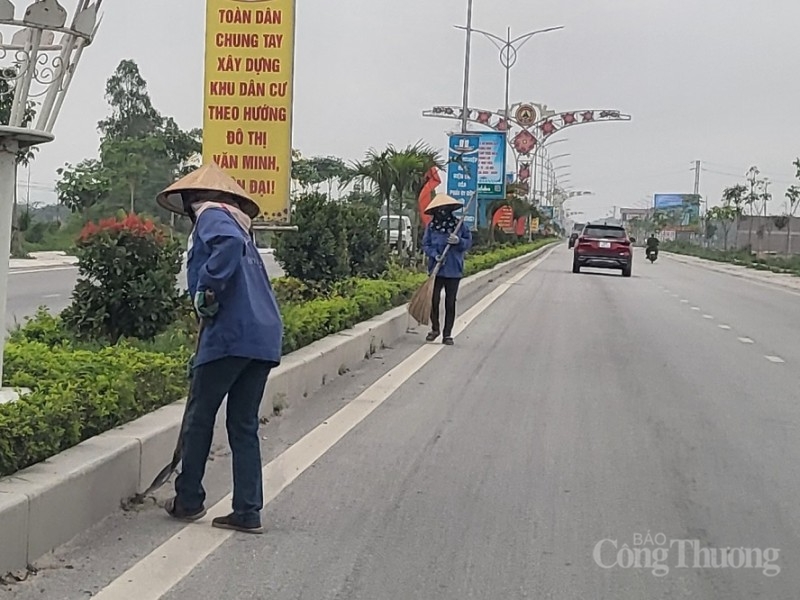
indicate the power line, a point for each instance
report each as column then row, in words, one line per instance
column 743, row 173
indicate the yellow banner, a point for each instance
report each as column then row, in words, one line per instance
column 247, row 122
column 534, row 223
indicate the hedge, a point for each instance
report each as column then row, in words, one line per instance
column 79, row 391
column 775, row 264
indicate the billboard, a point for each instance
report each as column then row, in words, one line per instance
column 492, row 165
column 247, row 106
column 547, row 211
column 462, row 173
column 678, row 212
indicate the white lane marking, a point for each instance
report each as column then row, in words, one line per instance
column 684, row 301
column 41, row 270
column 674, row 295
column 695, row 308
column 726, row 327
column 709, row 317
column 167, row 565
column 46, row 296
column 775, row 286
column 774, row 359
column 746, row 340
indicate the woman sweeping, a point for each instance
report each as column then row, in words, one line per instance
column 239, row 345
column 439, row 234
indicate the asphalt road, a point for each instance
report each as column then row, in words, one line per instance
column 573, row 409
column 29, row 289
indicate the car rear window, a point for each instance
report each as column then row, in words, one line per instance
column 604, row 232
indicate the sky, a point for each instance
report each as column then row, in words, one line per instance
column 716, row 81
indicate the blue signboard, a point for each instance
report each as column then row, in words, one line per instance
column 492, row 165
column 462, row 173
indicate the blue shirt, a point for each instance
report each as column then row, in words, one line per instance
column 434, row 243
column 224, row 259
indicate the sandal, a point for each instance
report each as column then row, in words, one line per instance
column 176, row 511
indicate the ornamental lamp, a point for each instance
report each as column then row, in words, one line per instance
column 41, row 44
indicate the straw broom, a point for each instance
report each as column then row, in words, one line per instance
column 421, row 302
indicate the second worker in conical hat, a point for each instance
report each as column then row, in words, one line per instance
column 440, row 234
column 240, row 342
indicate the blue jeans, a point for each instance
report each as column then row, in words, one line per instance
column 243, row 380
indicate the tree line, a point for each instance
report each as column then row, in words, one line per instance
column 141, row 151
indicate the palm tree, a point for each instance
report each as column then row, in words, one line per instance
column 411, row 165
column 394, row 172
column 377, row 171
column 751, row 199
column 725, row 216
column 733, row 197
column 793, row 196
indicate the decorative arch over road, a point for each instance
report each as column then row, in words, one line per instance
column 528, row 125
column 526, row 135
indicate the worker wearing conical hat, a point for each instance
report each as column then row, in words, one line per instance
column 240, row 341
column 440, row 234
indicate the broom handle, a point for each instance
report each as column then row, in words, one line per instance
column 456, row 231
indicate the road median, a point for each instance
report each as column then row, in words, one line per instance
column 47, row 504
column 784, row 280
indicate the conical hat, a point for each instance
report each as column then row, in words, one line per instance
column 443, row 201
column 210, row 178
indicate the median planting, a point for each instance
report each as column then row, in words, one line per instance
column 789, row 265
column 120, row 350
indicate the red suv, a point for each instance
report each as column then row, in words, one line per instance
column 605, row 247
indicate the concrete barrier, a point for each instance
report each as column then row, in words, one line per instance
column 49, row 503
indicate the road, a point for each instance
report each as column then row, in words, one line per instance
column 575, row 412
column 29, row 289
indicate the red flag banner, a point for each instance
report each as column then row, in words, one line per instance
column 432, row 181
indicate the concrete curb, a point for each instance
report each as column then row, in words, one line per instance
column 46, row 505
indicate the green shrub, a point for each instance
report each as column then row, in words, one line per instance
column 80, row 389
column 77, row 394
column 317, row 251
column 366, row 244
column 126, row 284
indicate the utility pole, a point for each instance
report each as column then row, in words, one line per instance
column 697, row 178
column 467, row 57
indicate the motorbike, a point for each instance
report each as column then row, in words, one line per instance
column 652, row 255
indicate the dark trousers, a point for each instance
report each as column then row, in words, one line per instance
column 450, row 287
column 243, row 380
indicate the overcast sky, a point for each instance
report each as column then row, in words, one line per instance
column 715, row 80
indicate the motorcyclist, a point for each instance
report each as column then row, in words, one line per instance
column 652, row 244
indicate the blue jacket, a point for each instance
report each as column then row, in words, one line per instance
column 224, row 259
column 434, row 243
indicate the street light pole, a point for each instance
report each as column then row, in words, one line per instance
column 536, row 161
column 509, row 52
column 38, row 67
column 508, row 62
column 467, row 60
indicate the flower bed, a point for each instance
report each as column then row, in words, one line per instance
column 79, row 390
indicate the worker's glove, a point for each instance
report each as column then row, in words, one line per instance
column 205, row 303
column 438, row 258
column 453, row 239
